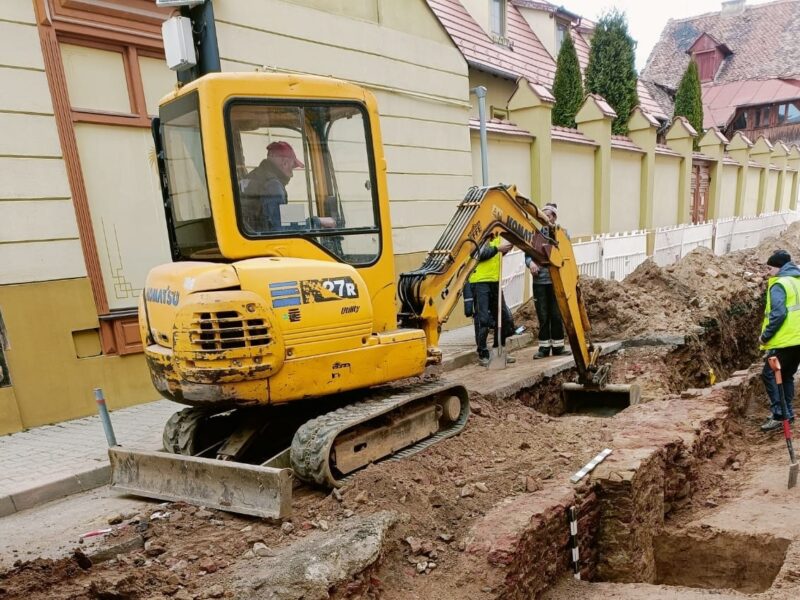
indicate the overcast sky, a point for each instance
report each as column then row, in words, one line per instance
column 646, row 19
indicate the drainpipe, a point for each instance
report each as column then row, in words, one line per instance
column 480, row 92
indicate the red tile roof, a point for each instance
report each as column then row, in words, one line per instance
column 500, row 126
column 623, row 142
column 764, row 40
column 528, row 58
column 665, row 150
column 720, row 100
column 566, row 134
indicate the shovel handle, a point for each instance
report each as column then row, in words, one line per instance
column 775, row 365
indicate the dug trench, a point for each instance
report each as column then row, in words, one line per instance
column 484, row 514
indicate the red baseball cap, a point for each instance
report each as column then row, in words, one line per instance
column 284, row 150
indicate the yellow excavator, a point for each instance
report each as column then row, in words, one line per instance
column 277, row 322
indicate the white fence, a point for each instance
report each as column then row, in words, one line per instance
column 615, row 256
column 673, row 243
column 514, row 278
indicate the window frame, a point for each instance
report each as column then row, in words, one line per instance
column 503, row 16
column 310, row 237
column 176, row 105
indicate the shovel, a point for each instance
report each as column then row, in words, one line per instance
column 498, row 358
column 775, row 365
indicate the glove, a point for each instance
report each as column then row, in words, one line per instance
column 469, row 307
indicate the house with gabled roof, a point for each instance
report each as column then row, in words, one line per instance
column 509, row 39
column 748, row 59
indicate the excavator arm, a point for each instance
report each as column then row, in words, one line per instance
column 430, row 293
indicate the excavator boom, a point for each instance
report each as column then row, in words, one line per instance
column 430, row 293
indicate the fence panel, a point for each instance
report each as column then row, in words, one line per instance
column 746, row 233
column 667, row 247
column 622, row 253
column 589, row 256
column 723, row 234
column 694, row 236
column 514, row 278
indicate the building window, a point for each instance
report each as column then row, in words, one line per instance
column 499, row 113
column 561, row 32
column 762, row 116
column 497, row 17
column 792, row 112
column 741, row 120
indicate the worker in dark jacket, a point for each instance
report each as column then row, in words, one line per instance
column 551, row 327
column 780, row 334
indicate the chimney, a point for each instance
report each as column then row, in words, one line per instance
column 732, row 8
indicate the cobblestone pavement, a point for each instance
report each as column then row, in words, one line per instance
column 54, row 461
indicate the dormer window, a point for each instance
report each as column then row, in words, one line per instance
column 708, row 53
column 497, row 17
column 561, row 33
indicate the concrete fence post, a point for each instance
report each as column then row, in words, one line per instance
column 530, row 107
column 793, row 166
column 712, row 144
column 680, row 138
column 594, row 121
column 643, row 131
column 739, row 149
column 760, row 153
column 779, row 158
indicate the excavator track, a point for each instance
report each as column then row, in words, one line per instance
column 313, row 456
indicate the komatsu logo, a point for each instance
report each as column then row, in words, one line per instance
column 515, row 226
column 162, row 296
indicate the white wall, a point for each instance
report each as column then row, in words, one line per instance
column 573, row 186
column 38, row 229
column 751, row 198
column 408, row 62
column 727, row 197
column 509, row 161
column 626, row 177
column 665, row 195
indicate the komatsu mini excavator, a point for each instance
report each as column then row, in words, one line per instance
column 279, row 327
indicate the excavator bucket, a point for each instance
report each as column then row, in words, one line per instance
column 229, row 486
column 599, row 401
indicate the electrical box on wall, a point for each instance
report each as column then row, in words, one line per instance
column 178, row 43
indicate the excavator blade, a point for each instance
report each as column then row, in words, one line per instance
column 601, row 401
column 229, row 486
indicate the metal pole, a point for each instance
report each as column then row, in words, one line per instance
column 480, row 92
column 102, row 409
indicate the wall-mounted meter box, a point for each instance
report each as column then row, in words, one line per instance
column 178, row 43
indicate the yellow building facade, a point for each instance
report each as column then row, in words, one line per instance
column 80, row 208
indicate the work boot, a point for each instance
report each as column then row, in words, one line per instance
column 771, row 425
column 482, row 361
column 558, row 350
column 544, row 352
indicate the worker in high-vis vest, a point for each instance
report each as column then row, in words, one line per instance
column 780, row 334
column 485, row 283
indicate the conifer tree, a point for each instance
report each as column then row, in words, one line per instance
column 689, row 99
column 567, row 86
column 611, row 72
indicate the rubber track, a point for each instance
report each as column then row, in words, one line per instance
column 312, row 443
column 179, row 431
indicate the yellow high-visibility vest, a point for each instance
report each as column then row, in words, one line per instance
column 488, row 270
column 789, row 332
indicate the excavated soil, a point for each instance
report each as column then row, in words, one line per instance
column 510, row 447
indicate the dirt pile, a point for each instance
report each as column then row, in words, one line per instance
column 508, row 450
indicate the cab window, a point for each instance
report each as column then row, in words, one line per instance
column 305, row 170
